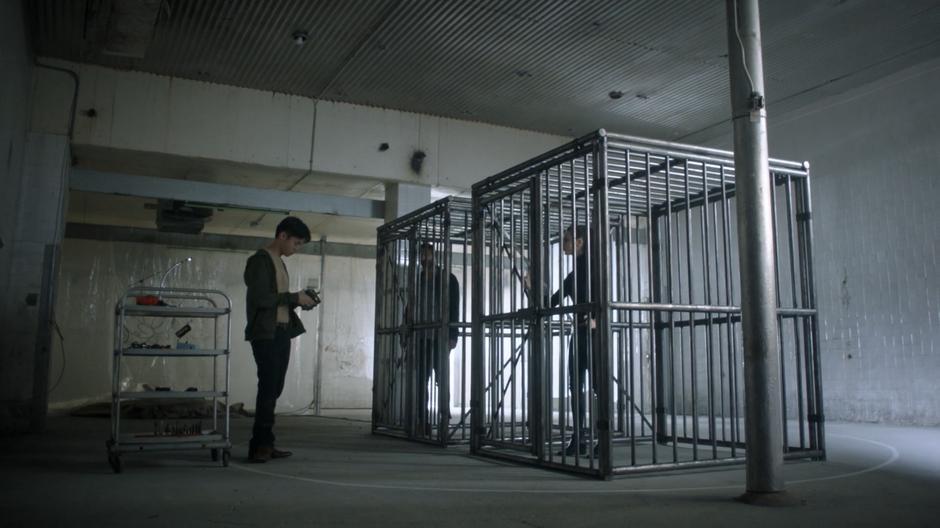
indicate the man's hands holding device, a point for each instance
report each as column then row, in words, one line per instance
column 308, row 299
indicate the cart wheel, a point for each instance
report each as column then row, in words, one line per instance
column 116, row 464
column 225, row 457
column 215, row 455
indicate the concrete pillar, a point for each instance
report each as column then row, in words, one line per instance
column 403, row 198
column 29, row 300
column 16, row 65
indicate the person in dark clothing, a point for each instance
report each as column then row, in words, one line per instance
column 430, row 356
column 272, row 323
column 577, row 287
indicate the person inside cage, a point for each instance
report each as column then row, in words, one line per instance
column 429, row 354
column 577, row 287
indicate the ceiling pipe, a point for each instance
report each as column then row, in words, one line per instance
column 75, row 87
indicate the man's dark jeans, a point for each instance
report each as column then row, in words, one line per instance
column 578, row 377
column 271, row 357
column 429, row 359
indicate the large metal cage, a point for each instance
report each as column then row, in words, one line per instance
column 620, row 349
column 421, row 378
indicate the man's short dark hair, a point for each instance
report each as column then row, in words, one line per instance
column 577, row 232
column 426, row 246
column 294, row 227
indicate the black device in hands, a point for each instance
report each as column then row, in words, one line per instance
column 313, row 295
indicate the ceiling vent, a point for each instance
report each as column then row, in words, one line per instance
column 130, row 27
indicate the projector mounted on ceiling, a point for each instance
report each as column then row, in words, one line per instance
column 174, row 216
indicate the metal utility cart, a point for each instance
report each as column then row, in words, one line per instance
column 189, row 305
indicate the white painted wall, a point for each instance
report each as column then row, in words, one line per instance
column 459, row 153
column 94, row 273
column 875, row 162
column 152, row 113
column 348, row 332
column 875, row 154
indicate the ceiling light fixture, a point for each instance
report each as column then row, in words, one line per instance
column 300, row 37
column 616, row 94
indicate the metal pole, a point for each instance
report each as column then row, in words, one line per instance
column 538, row 431
column 755, row 248
column 378, row 339
column 477, row 381
column 443, row 405
column 601, row 368
column 318, row 381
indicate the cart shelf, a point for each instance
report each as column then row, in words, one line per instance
column 173, row 311
column 130, row 439
column 172, row 352
column 157, row 395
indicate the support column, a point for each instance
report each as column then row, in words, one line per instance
column 764, row 422
column 403, row 198
column 16, row 64
column 29, row 302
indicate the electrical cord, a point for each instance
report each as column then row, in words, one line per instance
column 737, row 34
column 58, row 330
column 309, row 407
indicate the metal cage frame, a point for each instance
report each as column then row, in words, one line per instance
column 410, row 343
column 654, row 345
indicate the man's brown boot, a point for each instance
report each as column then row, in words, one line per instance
column 277, row 453
column 261, row 455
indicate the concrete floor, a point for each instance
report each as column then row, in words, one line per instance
column 341, row 475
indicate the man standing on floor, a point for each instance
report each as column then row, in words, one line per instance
column 272, row 323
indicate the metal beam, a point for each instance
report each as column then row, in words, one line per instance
column 763, row 407
column 223, row 195
column 207, row 241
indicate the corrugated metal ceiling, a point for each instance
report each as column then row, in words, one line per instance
column 544, row 65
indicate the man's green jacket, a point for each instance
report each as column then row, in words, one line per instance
column 263, row 299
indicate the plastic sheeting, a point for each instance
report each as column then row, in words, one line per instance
column 92, row 278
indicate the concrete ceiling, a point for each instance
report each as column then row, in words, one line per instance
column 546, row 65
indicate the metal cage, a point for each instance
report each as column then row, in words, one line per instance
column 620, row 350
column 421, row 378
